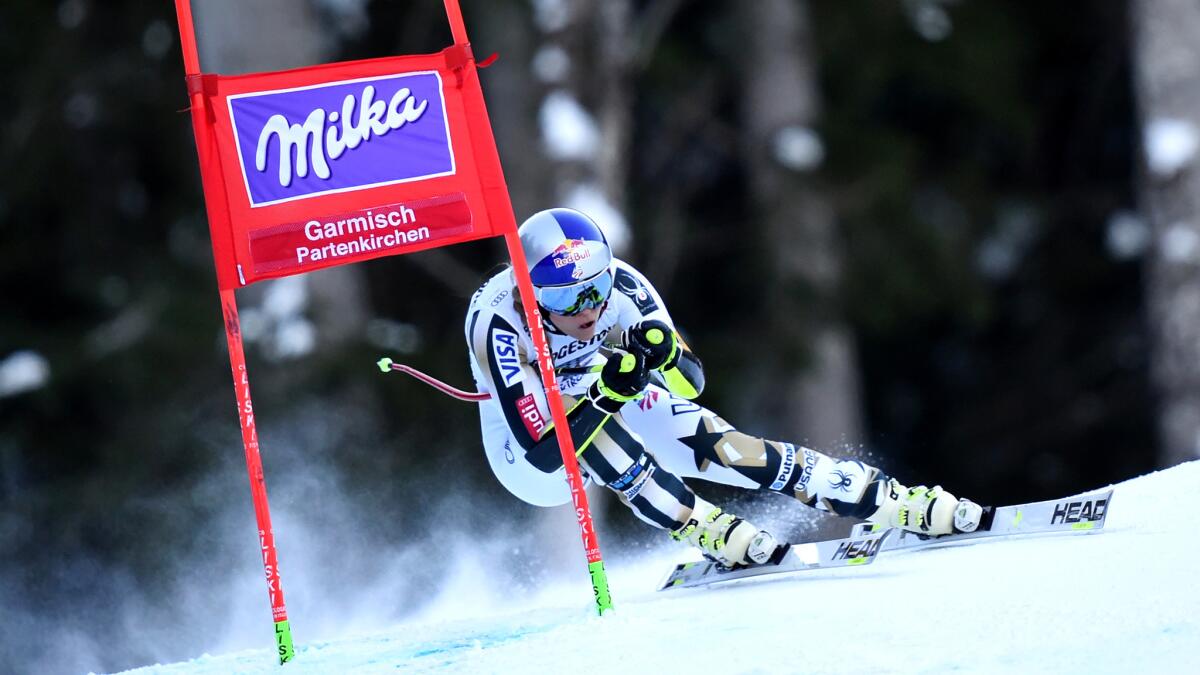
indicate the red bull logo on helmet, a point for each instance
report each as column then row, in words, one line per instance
column 570, row 252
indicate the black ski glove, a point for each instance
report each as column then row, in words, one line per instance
column 622, row 379
column 655, row 341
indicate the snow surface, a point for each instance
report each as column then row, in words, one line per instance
column 1118, row 601
column 1180, row 243
column 1170, row 144
column 23, row 370
column 799, row 148
column 568, row 130
column 1128, row 235
column 551, row 64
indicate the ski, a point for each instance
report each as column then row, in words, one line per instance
column 1083, row 513
column 859, row 550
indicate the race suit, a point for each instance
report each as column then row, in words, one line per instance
column 644, row 450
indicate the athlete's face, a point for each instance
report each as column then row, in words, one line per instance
column 581, row 326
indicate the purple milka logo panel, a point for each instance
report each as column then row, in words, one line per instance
column 341, row 136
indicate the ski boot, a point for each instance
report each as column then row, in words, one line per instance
column 726, row 539
column 931, row 512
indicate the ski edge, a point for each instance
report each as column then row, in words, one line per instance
column 799, row 557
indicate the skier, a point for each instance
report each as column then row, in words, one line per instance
column 629, row 382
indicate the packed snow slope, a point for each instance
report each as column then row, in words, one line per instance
column 1123, row 600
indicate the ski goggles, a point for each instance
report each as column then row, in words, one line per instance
column 573, row 299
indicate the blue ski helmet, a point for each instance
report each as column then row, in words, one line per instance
column 569, row 260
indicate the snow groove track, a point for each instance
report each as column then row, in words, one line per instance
column 1120, row 601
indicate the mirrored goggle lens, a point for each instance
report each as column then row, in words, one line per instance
column 571, row 300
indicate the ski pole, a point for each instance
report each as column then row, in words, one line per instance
column 386, row 364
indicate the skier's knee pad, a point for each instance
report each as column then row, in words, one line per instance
column 849, row 487
column 631, row 481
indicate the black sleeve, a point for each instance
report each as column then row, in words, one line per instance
column 584, row 420
column 513, row 382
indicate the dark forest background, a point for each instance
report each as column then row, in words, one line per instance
column 945, row 236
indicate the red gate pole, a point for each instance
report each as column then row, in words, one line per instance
column 566, row 445
column 258, row 483
column 237, row 357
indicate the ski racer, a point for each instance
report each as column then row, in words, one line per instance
column 629, row 384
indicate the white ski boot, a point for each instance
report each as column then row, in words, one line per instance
column 928, row 511
column 729, row 540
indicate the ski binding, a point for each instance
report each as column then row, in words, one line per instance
column 851, row 551
column 1084, row 513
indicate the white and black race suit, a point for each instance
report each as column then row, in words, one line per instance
column 644, row 450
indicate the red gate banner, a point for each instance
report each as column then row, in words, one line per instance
column 344, row 162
